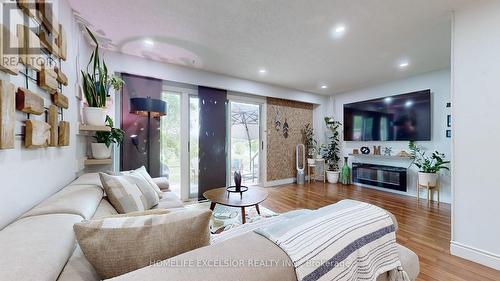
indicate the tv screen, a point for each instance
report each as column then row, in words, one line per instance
column 394, row 118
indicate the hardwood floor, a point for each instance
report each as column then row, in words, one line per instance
column 425, row 229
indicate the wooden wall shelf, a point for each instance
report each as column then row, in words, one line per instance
column 88, row 162
column 90, row 128
column 392, row 157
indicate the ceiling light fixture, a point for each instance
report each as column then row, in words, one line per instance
column 324, row 86
column 404, row 64
column 149, row 42
column 262, row 71
column 338, row 31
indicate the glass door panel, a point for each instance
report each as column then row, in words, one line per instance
column 245, row 142
column 194, row 132
column 170, row 139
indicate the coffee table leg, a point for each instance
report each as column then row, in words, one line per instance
column 257, row 208
column 212, row 206
column 243, row 215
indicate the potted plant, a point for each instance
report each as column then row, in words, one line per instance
column 332, row 150
column 310, row 143
column 102, row 148
column 428, row 166
column 96, row 85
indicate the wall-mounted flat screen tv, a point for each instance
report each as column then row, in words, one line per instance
column 394, row 118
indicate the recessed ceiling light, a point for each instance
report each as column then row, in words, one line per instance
column 149, row 42
column 404, row 64
column 262, row 71
column 338, row 31
column 324, row 86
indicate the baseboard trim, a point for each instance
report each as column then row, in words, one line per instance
column 474, row 254
column 279, row 182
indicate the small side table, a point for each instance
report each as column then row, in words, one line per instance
column 312, row 170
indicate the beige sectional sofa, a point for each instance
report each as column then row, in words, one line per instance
column 41, row 245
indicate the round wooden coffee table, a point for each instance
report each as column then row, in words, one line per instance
column 253, row 197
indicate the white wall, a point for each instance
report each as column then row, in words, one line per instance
column 29, row 176
column 439, row 83
column 476, row 107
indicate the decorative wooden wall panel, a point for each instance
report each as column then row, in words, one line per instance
column 29, row 47
column 48, row 43
column 54, row 126
column 61, row 43
column 28, row 7
column 8, row 59
column 61, row 77
column 29, row 102
column 60, row 99
column 281, row 150
column 37, row 134
column 47, row 79
column 7, row 114
column 46, row 16
column 64, row 130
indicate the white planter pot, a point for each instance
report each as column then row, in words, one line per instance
column 332, row 176
column 95, row 116
column 311, row 161
column 427, row 178
column 100, row 151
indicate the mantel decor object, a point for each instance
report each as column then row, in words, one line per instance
column 346, row 172
column 365, row 150
column 237, row 187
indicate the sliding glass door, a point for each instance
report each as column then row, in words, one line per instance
column 245, row 141
column 194, row 134
column 170, row 140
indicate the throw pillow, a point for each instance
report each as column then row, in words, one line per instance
column 115, row 246
column 149, row 179
column 138, row 214
column 125, row 194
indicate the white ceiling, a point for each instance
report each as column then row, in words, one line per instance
column 291, row 39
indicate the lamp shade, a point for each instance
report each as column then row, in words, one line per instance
column 143, row 106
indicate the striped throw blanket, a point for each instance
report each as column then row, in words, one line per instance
column 349, row 240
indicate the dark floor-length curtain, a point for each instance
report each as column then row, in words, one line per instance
column 133, row 155
column 212, row 139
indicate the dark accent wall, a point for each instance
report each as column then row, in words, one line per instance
column 132, row 157
column 212, row 139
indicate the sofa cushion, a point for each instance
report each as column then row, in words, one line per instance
column 104, row 209
column 37, row 248
column 118, row 245
column 162, row 183
column 78, row 268
column 251, row 257
column 88, row 179
column 169, row 200
column 79, row 200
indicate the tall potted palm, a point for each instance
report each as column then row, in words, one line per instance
column 428, row 166
column 310, row 143
column 96, row 85
column 332, row 150
column 102, row 148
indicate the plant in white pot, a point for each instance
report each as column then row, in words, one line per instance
column 96, row 85
column 102, row 148
column 332, row 150
column 310, row 143
column 428, row 166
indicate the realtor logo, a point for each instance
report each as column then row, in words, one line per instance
column 21, row 33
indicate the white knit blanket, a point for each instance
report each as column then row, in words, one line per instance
column 349, row 240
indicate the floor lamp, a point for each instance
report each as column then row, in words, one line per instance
column 148, row 107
